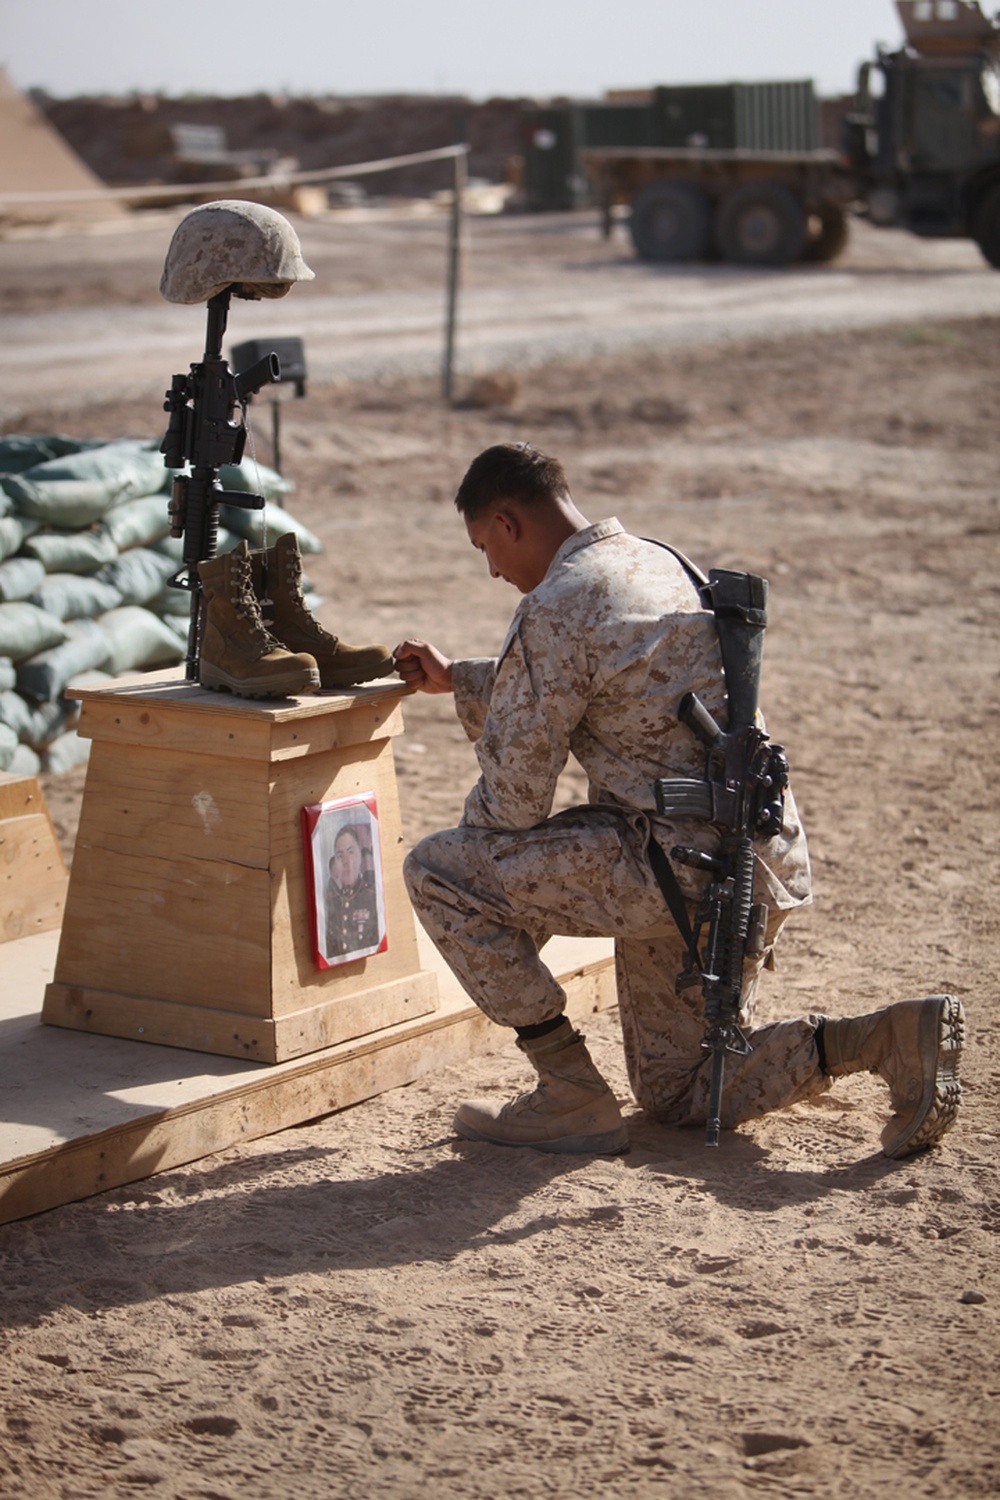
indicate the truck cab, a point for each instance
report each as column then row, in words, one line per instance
column 925, row 136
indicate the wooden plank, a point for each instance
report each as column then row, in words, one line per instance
column 139, row 1018
column 176, row 804
column 280, row 1098
column 179, row 929
column 33, row 876
column 342, row 1017
column 272, row 1100
column 312, row 736
column 173, row 727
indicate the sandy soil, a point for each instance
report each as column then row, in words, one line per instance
column 365, row 1306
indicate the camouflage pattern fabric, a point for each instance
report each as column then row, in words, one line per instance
column 596, row 660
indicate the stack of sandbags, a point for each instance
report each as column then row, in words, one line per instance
column 85, row 559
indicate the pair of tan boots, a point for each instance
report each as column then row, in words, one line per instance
column 258, row 639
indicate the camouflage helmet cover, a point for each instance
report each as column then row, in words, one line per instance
column 246, row 246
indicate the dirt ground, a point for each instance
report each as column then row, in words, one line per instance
column 366, row 1306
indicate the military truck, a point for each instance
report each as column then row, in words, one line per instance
column 734, row 171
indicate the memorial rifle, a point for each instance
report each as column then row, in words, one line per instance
column 204, row 434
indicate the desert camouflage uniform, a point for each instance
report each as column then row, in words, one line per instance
column 596, row 660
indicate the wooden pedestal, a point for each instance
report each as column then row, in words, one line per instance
column 188, row 913
column 33, row 875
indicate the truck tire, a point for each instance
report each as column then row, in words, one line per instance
column 670, row 222
column 986, row 227
column 760, row 224
column 827, row 233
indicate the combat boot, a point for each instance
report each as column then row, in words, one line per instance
column 916, row 1047
column 277, row 581
column 237, row 654
column 572, row 1109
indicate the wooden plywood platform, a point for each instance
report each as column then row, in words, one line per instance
column 80, row 1112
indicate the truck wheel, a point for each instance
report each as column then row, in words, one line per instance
column 760, row 224
column 986, row 227
column 670, row 221
column 828, row 231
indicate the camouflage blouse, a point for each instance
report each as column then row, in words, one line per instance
column 594, row 664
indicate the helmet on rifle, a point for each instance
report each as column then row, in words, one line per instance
column 247, row 247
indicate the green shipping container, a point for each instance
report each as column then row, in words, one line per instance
column 736, row 116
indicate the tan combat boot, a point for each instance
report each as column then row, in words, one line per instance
column 237, row 654
column 572, row 1109
column 277, row 581
column 916, row 1047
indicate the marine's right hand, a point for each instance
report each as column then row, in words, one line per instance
column 423, row 667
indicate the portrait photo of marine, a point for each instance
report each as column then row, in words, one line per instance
column 343, row 861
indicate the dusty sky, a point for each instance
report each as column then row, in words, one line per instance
column 505, row 47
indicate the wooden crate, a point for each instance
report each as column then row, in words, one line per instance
column 33, row 875
column 188, row 915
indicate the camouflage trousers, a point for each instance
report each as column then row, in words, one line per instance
column 491, row 899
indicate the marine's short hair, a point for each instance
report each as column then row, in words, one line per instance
column 510, row 471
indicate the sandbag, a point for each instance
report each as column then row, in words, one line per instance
column 8, row 676
column 15, row 712
column 83, row 487
column 74, row 596
column 45, row 675
column 65, row 753
column 137, row 523
column 173, row 547
column 255, row 479
column 8, row 746
column 138, row 575
column 19, row 578
column 13, row 532
column 20, row 451
column 25, row 761
column 25, row 629
column 271, row 522
column 137, row 639
column 71, row 551
column 37, row 724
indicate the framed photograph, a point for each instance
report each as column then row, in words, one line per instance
column 344, row 878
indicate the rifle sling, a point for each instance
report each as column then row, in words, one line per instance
column 672, row 894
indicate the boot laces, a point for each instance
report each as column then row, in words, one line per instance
column 246, row 603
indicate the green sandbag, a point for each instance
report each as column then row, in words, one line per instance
column 74, row 596
column 138, row 575
column 25, row 629
column 72, row 551
column 13, row 532
column 83, row 487
column 37, row 724
column 20, row 451
column 8, row 746
column 137, row 523
column 271, row 522
column 44, row 676
column 137, row 640
column 65, row 753
column 24, row 761
column 173, row 547
column 15, row 712
column 19, row 578
column 255, row 479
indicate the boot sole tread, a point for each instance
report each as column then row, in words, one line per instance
column 946, row 1097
